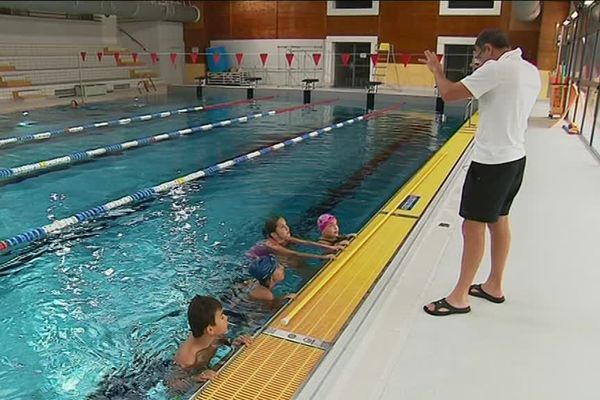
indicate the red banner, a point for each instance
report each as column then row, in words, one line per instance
column 374, row 58
column 239, row 57
column 316, row 58
column 99, row 55
column 194, row 57
column 405, row 58
column 345, row 58
column 117, row 57
column 134, row 56
column 289, row 57
column 83, row 54
column 173, row 58
column 216, row 57
column 263, row 58
column 154, row 57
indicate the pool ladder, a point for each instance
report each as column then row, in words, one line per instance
column 469, row 110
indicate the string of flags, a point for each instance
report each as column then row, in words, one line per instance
column 345, row 58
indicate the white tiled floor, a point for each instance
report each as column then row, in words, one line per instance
column 543, row 343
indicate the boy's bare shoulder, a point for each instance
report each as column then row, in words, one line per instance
column 189, row 357
column 185, row 356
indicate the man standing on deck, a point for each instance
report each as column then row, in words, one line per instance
column 507, row 87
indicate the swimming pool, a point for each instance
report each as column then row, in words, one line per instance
column 94, row 312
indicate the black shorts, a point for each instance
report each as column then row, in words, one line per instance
column 490, row 189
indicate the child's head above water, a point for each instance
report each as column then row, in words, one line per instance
column 205, row 316
column 267, row 270
column 276, row 228
column 328, row 226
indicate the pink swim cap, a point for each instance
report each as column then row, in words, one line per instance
column 325, row 220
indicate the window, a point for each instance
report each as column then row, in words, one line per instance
column 457, row 61
column 470, row 7
column 353, row 4
column 352, row 7
column 458, row 55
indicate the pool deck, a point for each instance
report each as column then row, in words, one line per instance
column 542, row 343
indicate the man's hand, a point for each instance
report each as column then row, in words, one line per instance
column 432, row 62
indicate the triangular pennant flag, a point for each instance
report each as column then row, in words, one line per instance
column 263, row 58
column 289, row 57
column 374, row 58
column 83, row 54
column 154, row 57
column 216, row 57
column 345, row 58
column 239, row 57
column 134, row 56
column 173, row 58
column 405, row 58
column 117, row 55
column 439, row 57
column 99, row 55
column 194, row 57
column 316, row 58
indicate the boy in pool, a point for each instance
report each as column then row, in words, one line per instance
column 278, row 237
column 268, row 272
column 330, row 232
column 196, row 354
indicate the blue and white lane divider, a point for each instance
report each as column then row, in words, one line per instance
column 148, row 193
column 117, row 122
column 86, row 155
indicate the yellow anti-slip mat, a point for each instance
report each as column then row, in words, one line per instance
column 284, row 355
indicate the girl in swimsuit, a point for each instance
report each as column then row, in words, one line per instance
column 278, row 237
column 330, row 232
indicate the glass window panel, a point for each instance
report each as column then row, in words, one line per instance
column 470, row 4
column 353, row 4
column 580, row 107
column 588, row 123
column 588, row 56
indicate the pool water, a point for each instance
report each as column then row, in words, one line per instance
column 99, row 310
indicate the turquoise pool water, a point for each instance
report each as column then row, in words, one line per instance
column 98, row 310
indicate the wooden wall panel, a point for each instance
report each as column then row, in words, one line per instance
column 301, row 19
column 554, row 12
column 218, row 19
column 254, row 19
column 412, row 26
column 462, row 26
column 355, row 26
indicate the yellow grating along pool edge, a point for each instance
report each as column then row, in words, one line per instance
column 271, row 368
column 324, row 315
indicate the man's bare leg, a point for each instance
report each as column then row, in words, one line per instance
column 473, row 249
column 500, row 243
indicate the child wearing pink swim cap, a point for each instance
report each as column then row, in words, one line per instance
column 330, row 231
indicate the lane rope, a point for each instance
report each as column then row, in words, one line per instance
column 15, row 140
column 151, row 192
column 87, row 155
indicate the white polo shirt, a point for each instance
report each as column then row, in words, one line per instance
column 507, row 90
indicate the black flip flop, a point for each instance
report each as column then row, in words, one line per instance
column 449, row 308
column 477, row 291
